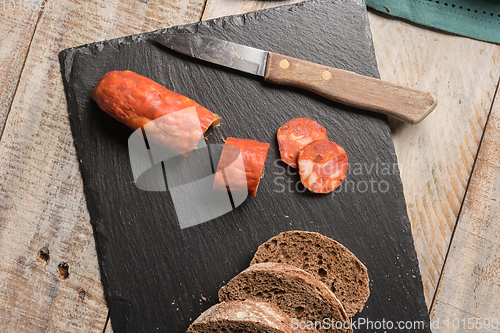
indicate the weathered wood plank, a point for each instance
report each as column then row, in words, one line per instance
column 436, row 156
column 41, row 202
column 218, row 8
column 470, row 283
column 17, row 24
column 108, row 328
column 41, row 199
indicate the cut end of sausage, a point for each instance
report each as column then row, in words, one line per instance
column 169, row 119
column 241, row 166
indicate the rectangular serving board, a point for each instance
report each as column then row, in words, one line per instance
column 159, row 277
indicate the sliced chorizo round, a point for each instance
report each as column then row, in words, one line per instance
column 322, row 166
column 295, row 135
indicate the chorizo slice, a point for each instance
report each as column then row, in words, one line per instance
column 135, row 100
column 241, row 166
column 295, row 135
column 322, row 166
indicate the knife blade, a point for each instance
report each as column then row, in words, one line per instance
column 404, row 103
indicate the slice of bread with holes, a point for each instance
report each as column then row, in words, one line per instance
column 327, row 260
column 296, row 292
column 244, row 316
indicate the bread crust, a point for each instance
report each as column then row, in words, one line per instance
column 327, row 260
column 244, row 316
column 296, row 292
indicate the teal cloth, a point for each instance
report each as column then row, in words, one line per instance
column 479, row 19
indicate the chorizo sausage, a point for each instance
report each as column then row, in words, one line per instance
column 322, row 166
column 295, row 135
column 136, row 100
column 241, row 166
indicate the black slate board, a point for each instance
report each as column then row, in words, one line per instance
column 158, row 277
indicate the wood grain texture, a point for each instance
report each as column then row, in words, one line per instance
column 219, row 8
column 470, row 284
column 41, row 198
column 40, row 190
column 436, row 156
column 367, row 93
column 168, row 262
column 17, row 26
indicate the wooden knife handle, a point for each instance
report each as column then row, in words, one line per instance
column 406, row 104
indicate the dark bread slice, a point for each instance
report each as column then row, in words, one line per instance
column 296, row 292
column 329, row 261
column 247, row 316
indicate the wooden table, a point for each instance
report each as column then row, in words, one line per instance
column 450, row 163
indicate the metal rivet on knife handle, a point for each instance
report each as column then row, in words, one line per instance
column 326, row 75
column 284, row 64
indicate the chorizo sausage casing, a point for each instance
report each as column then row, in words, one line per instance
column 241, row 166
column 170, row 119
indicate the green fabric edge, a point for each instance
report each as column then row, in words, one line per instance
column 447, row 18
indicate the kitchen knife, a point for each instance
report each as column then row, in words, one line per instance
column 403, row 103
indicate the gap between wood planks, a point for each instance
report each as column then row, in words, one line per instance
column 2, row 130
column 203, row 10
column 464, row 197
column 106, row 323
